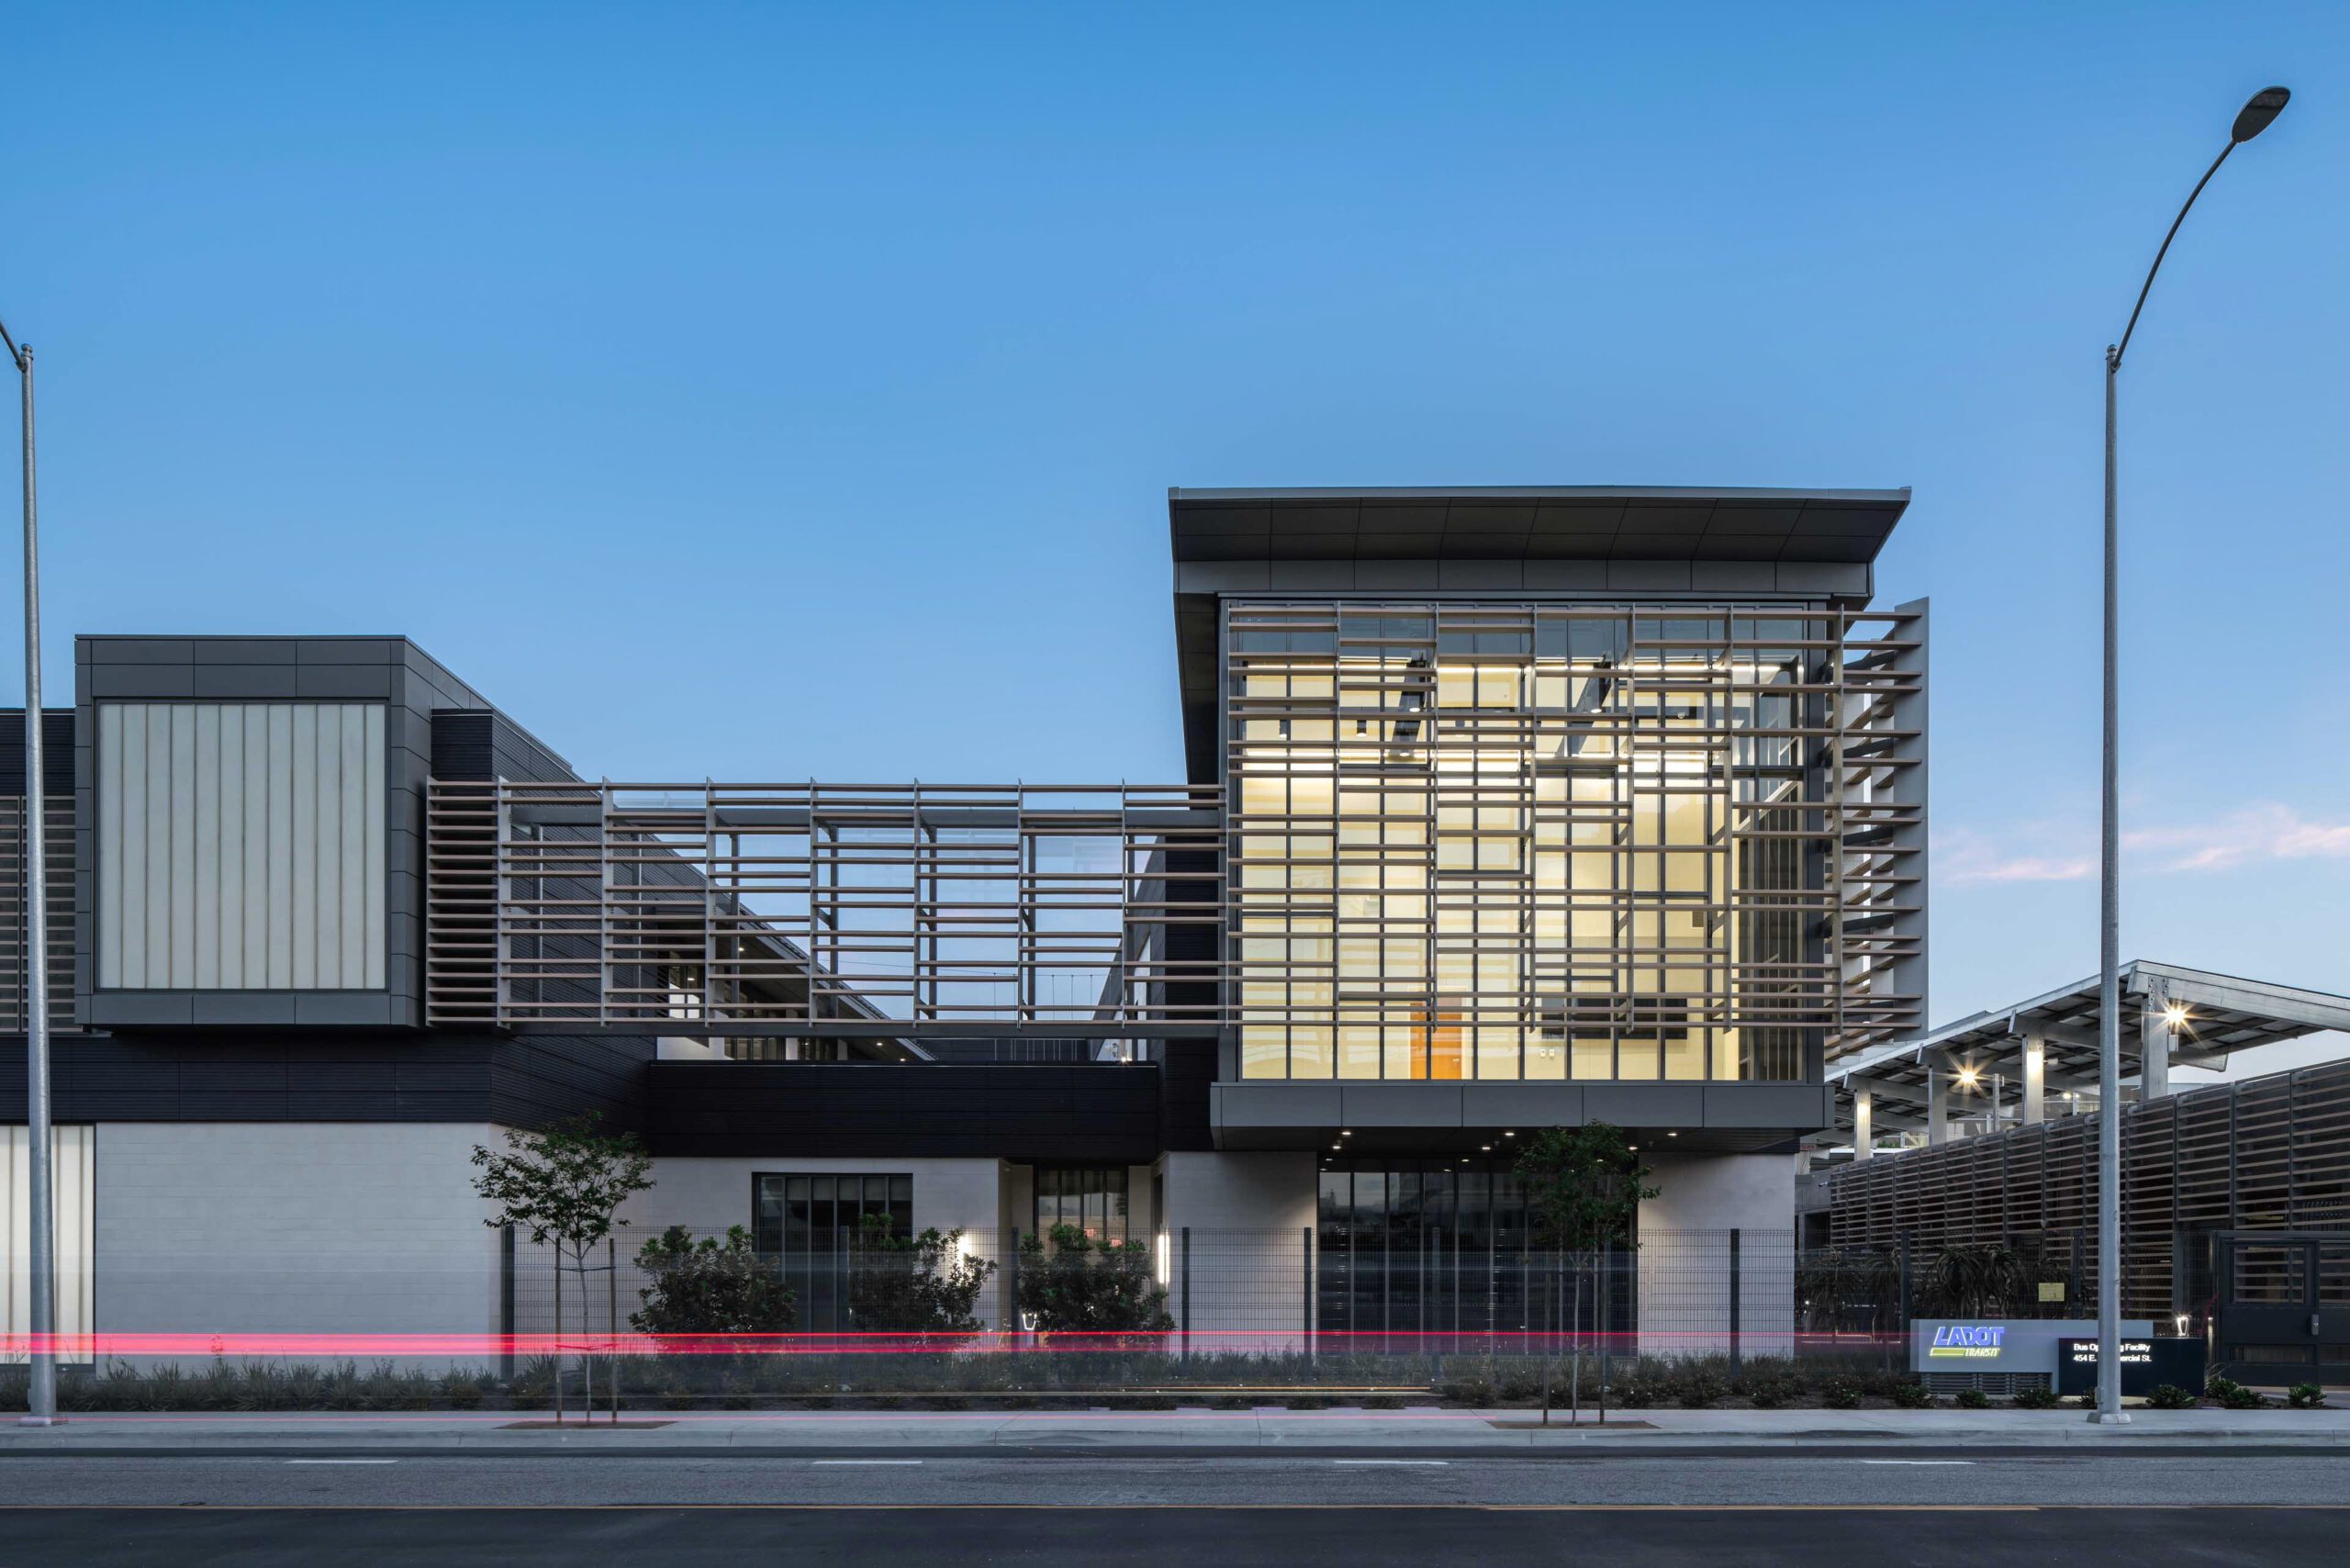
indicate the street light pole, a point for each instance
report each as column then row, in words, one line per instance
column 41, row 1383
column 2254, row 117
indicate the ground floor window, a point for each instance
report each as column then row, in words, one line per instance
column 1445, row 1246
column 807, row 1223
column 1090, row 1197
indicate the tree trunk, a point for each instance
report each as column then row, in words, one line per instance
column 1551, row 1341
column 586, row 1335
column 1574, row 1348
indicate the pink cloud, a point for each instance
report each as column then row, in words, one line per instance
column 2265, row 832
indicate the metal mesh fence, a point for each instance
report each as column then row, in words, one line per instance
column 984, row 1311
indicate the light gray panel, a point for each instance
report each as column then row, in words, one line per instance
column 158, row 892
column 232, row 846
column 183, row 871
column 352, row 863
column 130, row 873
column 372, row 843
column 302, row 917
column 256, row 844
column 280, row 902
column 207, row 928
column 108, row 766
column 242, row 846
column 328, row 852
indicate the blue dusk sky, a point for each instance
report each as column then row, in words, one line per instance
column 757, row 391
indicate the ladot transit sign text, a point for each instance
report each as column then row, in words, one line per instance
column 1966, row 1342
column 2001, row 1344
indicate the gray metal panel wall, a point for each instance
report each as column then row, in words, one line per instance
column 240, row 846
column 389, row 670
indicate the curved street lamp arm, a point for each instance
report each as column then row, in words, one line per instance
column 15, row 352
column 2124, row 346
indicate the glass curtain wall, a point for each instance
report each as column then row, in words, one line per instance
column 1090, row 1197
column 807, row 1223
column 1438, row 1245
column 1480, row 841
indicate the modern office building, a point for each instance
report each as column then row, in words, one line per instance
column 1505, row 809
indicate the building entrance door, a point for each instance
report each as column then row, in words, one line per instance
column 2282, row 1307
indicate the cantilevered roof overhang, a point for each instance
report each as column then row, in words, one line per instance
column 2224, row 1014
column 1643, row 541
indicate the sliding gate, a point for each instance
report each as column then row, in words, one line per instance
column 2282, row 1305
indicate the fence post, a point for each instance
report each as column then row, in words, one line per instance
column 1901, row 1325
column 1306, row 1240
column 505, row 1301
column 1187, row 1295
column 1733, row 1299
column 612, row 1321
column 1011, row 1288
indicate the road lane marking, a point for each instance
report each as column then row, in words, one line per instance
column 868, row 1462
column 342, row 1462
column 1917, row 1461
column 1440, row 1463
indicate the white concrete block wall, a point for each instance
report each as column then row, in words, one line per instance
column 206, row 1227
column 1684, row 1254
column 1247, row 1214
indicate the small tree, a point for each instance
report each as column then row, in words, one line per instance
column 1977, row 1281
column 561, row 1187
column 1079, row 1284
column 710, row 1286
column 917, row 1284
column 1583, row 1191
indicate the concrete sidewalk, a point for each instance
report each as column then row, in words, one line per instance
column 1109, row 1432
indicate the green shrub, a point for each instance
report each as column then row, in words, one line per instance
column 2305, row 1397
column 1841, row 1393
column 1770, row 1391
column 710, row 1286
column 922, row 1284
column 1913, row 1396
column 2036, row 1396
column 2170, row 1396
column 1474, row 1392
column 2230, row 1395
column 1639, row 1393
column 1698, row 1390
column 1971, row 1399
column 1079, row 1284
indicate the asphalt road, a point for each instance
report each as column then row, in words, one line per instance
column 1285, row 1538
column 1228, row 1512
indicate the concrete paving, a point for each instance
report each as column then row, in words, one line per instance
column 1421, row 1429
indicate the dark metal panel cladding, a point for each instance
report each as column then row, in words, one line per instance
column 859, row 1109
column 56, row 762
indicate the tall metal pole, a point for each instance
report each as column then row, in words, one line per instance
column 42, row 1401
column 2255, row 117
column 2108, row 1056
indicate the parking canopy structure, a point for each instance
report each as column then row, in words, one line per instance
column 2000, row 1067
